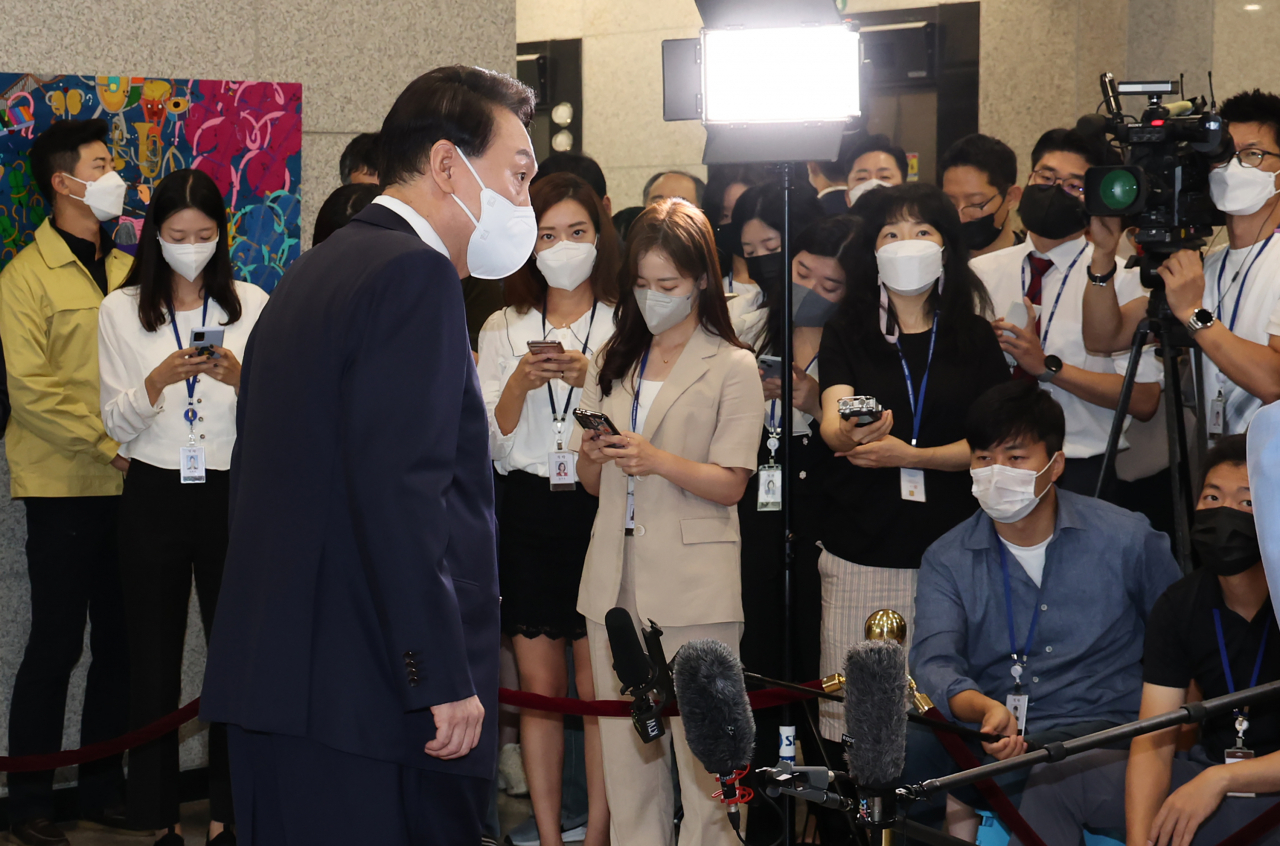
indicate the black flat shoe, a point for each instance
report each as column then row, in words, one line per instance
column 38, row 832
column 226, row 838
column 112, row 821
column 170, row 838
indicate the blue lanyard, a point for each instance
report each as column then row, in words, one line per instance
column 1222, row 269
column 190, row 414
column 1044, row 336
column 563, row 415
column 773, row 404
column 918, row 408
column 635, row 401
column 1226, row 664
column 1021, row 661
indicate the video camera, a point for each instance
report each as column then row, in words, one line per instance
column 1163, row 186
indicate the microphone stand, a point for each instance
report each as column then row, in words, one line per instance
column 1194, row 712
column 785, row 415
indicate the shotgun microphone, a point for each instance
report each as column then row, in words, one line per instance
column 644, row 677
column 876, row 698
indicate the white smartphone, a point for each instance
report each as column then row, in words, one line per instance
column 1017, row 315
column 205, row 338
column 771, row 365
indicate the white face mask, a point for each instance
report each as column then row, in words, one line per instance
column 662, row 311
column 504, row 236
column 863, row 187
column 187, row 260
column 1236, row 189
column 1007, row 494
column 567, row 265
column 104, row 196
column 909, row 267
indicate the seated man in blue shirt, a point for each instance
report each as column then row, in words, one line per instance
column 1161, row 796
column 1061, row 581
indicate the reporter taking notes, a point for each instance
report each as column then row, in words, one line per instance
column 565, row 293
column 173, row 410
column 355, row 655
column 686, row 394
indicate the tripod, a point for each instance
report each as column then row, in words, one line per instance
column 1185, row 459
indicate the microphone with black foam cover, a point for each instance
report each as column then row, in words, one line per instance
column 637, row 674
column 876, row 698
column 716, row 714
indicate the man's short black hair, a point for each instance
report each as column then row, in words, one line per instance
column 986, row 154
column 454, row 104
column 1256, row 106
column 1095, row 152
column 879, row 144
column 57, row 150
column 699, row 187
column 582, row 166
column 1012, row 410
column 1232, row 449
column 838, row 170
column 360, row 154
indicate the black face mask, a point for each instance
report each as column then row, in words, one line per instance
column 766, row 271
column 1051, row 213
column 982, row 233
column 1225, row 540
column 809, row 308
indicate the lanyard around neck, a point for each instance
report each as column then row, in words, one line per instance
column 1066, row 277
column 773, row 407
column 190, row 413
column 1244, row 280
column 559, row 417
column 1019, row 659
column 1226, row 663
column 635, row 401
column 917, row 408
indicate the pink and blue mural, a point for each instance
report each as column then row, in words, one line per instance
column 246, row 135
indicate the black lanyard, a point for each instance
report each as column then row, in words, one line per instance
column 190, row 414
column 559, row 418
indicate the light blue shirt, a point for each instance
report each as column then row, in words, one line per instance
column 1104, row 569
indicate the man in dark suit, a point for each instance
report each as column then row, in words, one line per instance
column 355, row 650
column 830, row 179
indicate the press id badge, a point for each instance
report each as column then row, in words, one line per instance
column 1217, row 415
column 1234, row 756
column 769, row 497
column 191, row 465
column 561, row 471
column 912, row 481
column 1017, row 704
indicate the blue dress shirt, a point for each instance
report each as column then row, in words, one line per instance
column 1104, row 569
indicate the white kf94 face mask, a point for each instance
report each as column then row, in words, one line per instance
column 1007, row 494
column 567, row 265
column 909, row 267
column 504, row 235
column 104, row 196
column 1236, row 189
column 187, row 260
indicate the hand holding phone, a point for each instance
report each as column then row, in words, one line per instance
column 770, row 367
column 205, row 338
column 546, row 348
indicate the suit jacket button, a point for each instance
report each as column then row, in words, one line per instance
column 413, row 682
column 408, row 654
column 639, row 530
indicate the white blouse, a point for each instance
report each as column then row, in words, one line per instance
column 127, row 353
column 504, row 340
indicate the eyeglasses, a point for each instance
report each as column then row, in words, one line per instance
column 1072, row 185
column 976, row 210
column 1251, row 158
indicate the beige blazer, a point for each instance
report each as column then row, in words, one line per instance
column 710, row 409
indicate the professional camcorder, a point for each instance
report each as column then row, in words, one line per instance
column 1163, row 186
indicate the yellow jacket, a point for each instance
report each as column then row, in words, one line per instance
column 55, row 441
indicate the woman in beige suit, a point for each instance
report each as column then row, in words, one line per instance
column 686, row 394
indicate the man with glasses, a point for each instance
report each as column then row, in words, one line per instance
column 1231, row 305
column 980, row 175
column 1048, row 275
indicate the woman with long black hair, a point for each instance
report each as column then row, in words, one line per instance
column 685, row 395
column 911, row 334
column 169, row 398
column 756, row 227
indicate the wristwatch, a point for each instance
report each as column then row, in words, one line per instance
column 1101, row 281
column 1052, row 367
column 1201, row 318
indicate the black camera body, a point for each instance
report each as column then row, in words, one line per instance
column 1163, row 186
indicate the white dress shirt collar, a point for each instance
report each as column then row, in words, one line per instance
column 417, row 221
column 1063, row 254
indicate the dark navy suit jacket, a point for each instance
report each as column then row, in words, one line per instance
column 833, row 204
column 361, row 583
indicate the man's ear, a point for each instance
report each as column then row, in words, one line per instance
column 608, row 205
column 1058, row 466
column 61, row 184
column 1013, row 196
column 443, row 161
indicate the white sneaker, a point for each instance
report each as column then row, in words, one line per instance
column 511, row 771
column 575, row 835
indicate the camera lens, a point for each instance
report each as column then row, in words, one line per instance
column 1119, row 189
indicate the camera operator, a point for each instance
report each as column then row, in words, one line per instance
column 1231, row 305
column 975, row 171
column 1165, row 797
column 1049, row 274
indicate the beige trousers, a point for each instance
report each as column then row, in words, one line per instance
column 637, row 775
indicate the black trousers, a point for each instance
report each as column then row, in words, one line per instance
column 168, row 531
column 294, row 791
column 71, row 562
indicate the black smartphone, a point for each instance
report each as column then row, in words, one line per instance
column 594, row 421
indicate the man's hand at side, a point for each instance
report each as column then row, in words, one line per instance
column 458, row 726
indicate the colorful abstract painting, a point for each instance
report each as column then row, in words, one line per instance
column 246, row 135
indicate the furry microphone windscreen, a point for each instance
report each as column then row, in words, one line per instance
column 876, row 697
column 714, row 706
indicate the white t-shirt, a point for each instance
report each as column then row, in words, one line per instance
column 1248, row 305
column 1003, row 271
column 648, row 390
column 1030, row 557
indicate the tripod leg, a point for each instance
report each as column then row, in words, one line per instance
column 1178, row 480
column 1122, row 408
